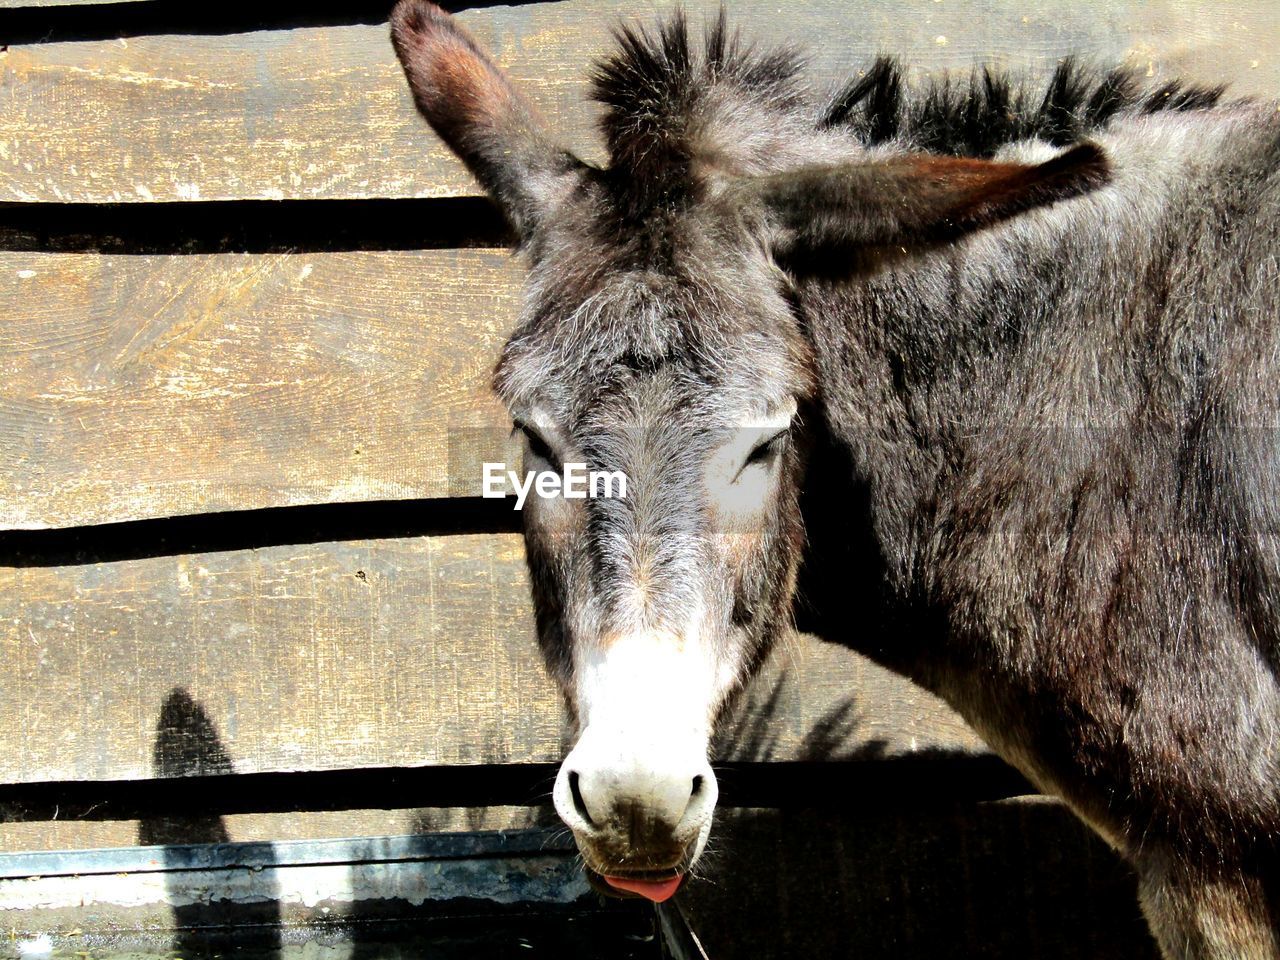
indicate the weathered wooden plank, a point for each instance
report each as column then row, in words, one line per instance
column 73, row 834
column 324, row 112
column 314, row 112
column 403, row 652
column 397, row 652
column 18, row 4
column 134, row 387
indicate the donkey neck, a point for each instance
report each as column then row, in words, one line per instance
column 975, row 387
column 910, row 361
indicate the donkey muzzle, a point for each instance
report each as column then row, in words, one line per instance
column 640, row 809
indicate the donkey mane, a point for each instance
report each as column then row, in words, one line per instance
column 978, row 117
column 670, row 107
column 661, row 97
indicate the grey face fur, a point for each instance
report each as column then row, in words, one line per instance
column 654, row 608
column 690, row 381
column 1041, row 332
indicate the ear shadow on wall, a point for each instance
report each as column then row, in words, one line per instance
column 187, row 745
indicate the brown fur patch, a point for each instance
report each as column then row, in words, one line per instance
column 455, row 84
column 468, row 101
column 983, row 192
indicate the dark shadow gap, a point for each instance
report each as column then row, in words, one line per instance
column 253, row 226
column 252, row 529
column 108, row 21
column 926, row 781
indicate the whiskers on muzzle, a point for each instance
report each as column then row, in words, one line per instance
column 646, row 819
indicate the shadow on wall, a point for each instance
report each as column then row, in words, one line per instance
column 187, row 745
column 755, row 733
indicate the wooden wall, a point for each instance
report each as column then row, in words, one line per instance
column 249, row 310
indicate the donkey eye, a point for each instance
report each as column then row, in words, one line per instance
column 537, row 445
column 766, row 450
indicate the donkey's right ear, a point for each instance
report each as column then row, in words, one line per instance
column 914, row 200
column 471, row 104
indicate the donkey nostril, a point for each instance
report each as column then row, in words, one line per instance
column 579, row 804
column 702, row 798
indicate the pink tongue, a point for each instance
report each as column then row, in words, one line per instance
column 656, row 891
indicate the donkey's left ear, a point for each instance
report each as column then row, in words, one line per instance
column 914, row 200
column 472, row 105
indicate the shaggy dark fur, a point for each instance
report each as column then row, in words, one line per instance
column 1038, row 329
column 656, row 89
column 976, row 118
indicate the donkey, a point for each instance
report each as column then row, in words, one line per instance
column 1040, row 328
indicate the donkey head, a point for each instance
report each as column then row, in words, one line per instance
column 660, row 338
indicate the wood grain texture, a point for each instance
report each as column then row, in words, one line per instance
column 18, row 4
column 401, row 652
column 134, row 387
column 63, row 834
column 394, row 652
column 325, row 112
